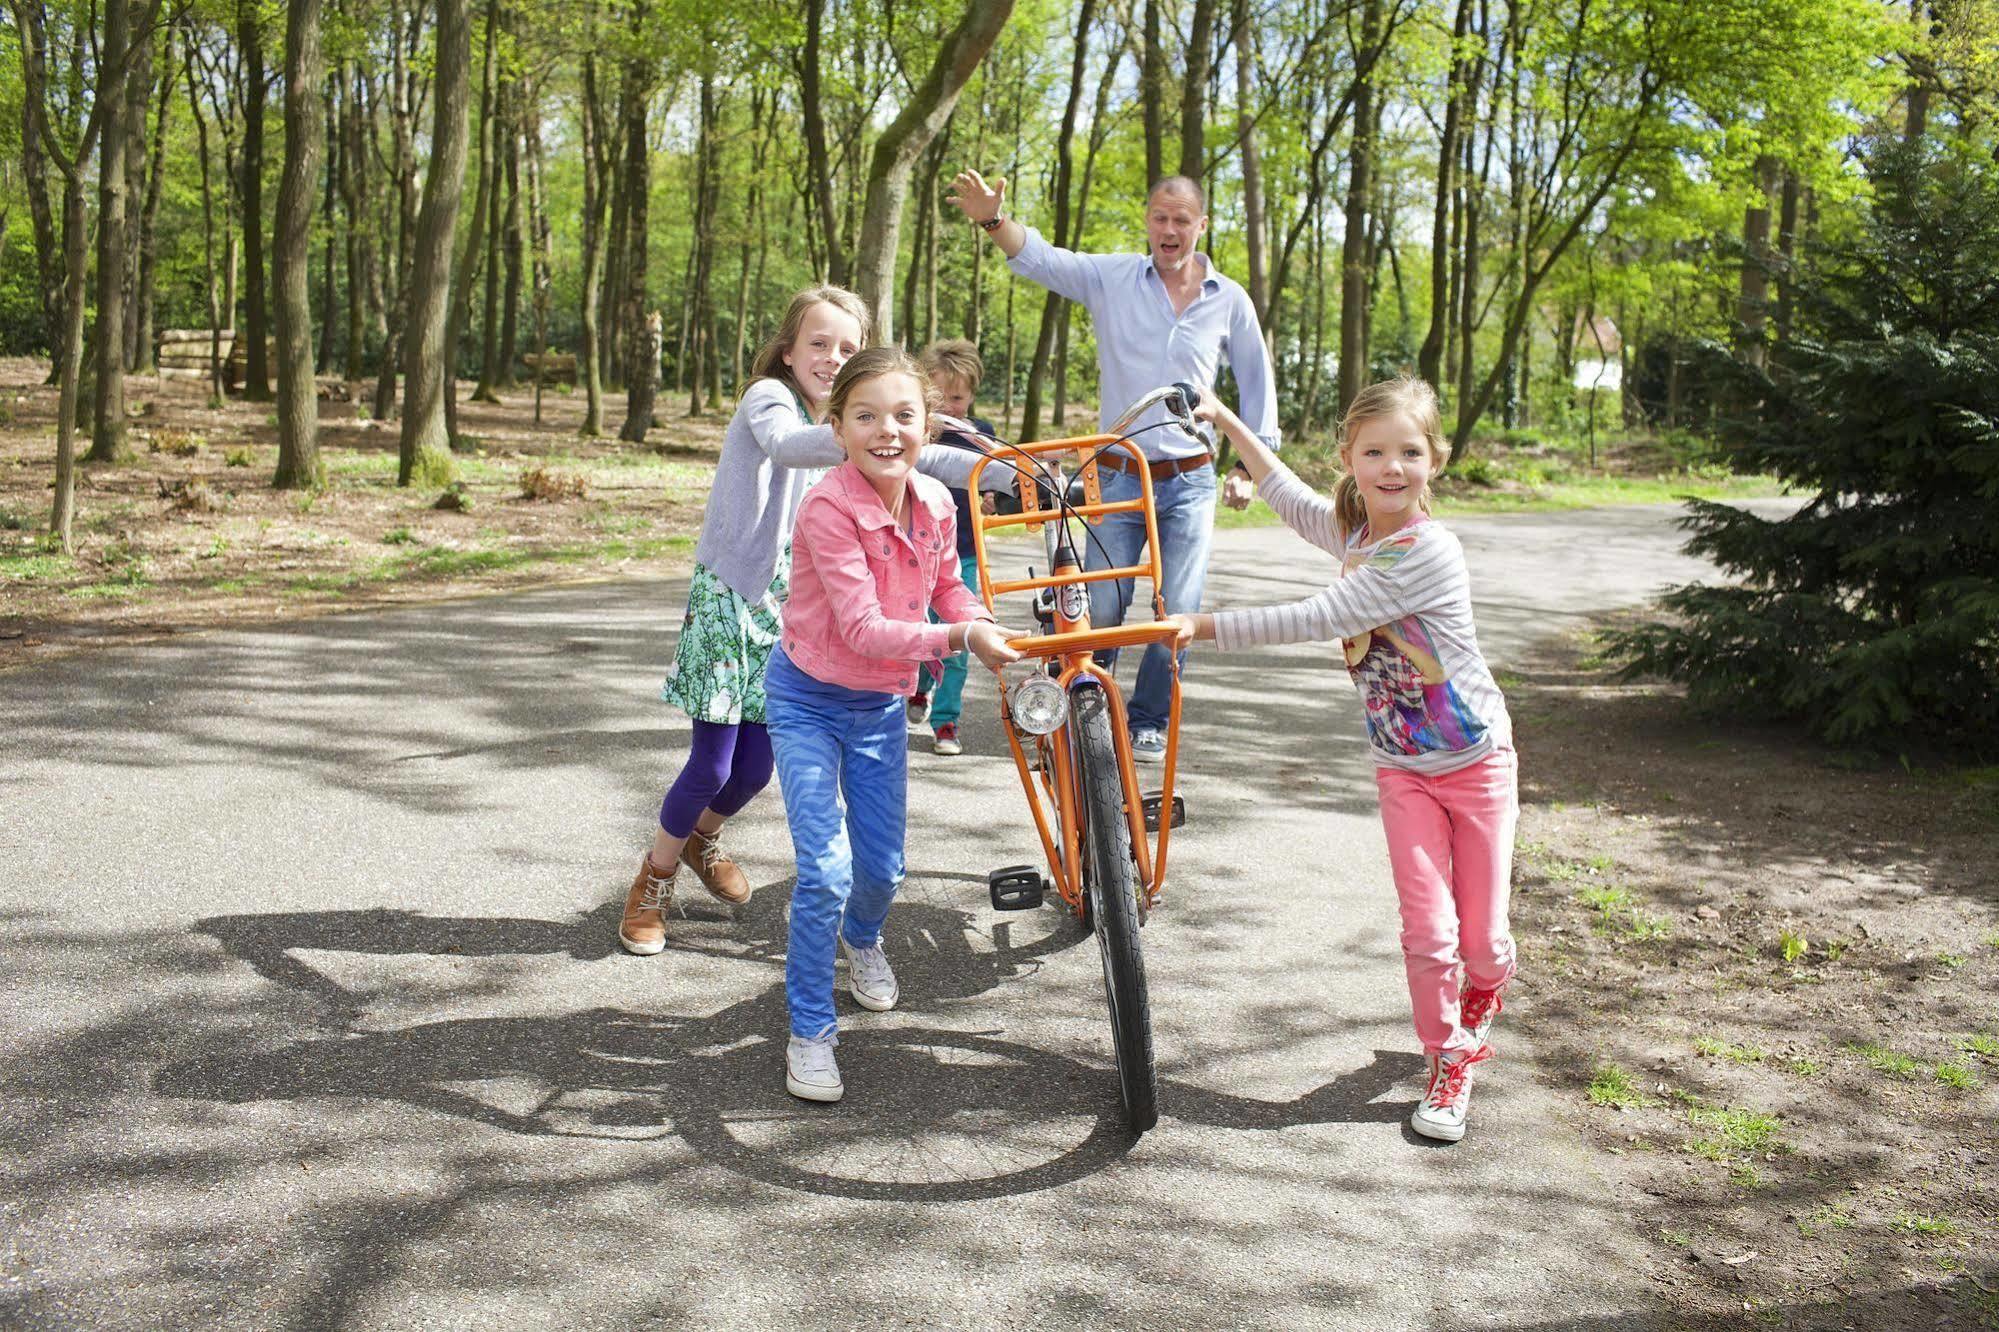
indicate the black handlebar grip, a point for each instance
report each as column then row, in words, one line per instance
column 1185, row 398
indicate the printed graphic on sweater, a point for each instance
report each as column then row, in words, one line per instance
column 1412, row 707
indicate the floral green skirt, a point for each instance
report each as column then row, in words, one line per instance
column 717, row 673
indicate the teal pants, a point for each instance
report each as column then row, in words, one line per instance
column 948, row 703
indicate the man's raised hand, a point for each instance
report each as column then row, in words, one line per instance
column 975, row 198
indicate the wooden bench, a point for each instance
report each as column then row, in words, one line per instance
column 555, row 367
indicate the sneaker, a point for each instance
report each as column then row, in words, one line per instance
column 810, row 1071
column 918, row 708
column 643, row 928
column 1477, row 1011
column 945, row 741
column 1448, row 1097
column 1148, row 745
column 870, row 977
column 720, row 875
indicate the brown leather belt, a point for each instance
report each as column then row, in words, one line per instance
column 1120, row 461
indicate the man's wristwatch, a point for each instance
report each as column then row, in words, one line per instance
column 993, row 223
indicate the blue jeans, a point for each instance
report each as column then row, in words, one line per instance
column 843, row 762
column 948, row 705
column 1185, row 505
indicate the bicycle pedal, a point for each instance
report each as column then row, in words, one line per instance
column 1151, row 805
column 1015, row 888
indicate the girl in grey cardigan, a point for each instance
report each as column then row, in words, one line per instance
column 772, row 453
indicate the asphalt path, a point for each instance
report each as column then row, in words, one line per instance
column 314, row 1015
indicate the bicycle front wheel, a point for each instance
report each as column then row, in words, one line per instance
column 1111, row 883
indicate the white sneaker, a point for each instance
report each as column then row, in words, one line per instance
column 917, row 709
column 1148, row 745
column 1447, row 1098
column 810, row 1072
column 870, row 977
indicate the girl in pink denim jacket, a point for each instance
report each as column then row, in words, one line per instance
column 873, row 550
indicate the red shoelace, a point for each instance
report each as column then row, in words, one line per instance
column 1447, row 1086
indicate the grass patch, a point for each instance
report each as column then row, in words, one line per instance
column 1792, row 946
column 1739, row 1054
column 1606, row 898
column 1805, row 1068
column 1980, row 1043
column 1612, row 1086
column 35, row 566
column 1729, row 1132
column 1746, row 1176
column 1956, row 1075
column 1919, row 1223
column 1892, row 1062
column 1823, row 1218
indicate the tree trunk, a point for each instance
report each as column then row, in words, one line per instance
column 107, row 439
column 355, row 205
column 138, row 100
column 1051, row 307
column 819, row 168
column 1194, row 90
column 643, row 326
column 402, row 115
column 589, row 360
column 465, row 275
column 256, row 322
column 706, row 190
column 49, row 265
column 426, row 442
column 207, row 239
column 298, row 398
column 1152, row 95
column 753, row 233
column 1787, row 249
column 1255, row 223
column 1354, row 268
column 142, row 357
column 513, row 244
column 1430, row 358
column 1752, row 308
column 542, row 248
column 328, row 291
column 924, row 113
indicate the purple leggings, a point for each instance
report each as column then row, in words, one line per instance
column 725, row 769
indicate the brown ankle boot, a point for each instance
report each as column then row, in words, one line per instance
column 643, row 929
column 718, row 874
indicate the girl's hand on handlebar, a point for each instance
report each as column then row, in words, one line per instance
column 987, row 642
column 975, row 198
column 1187, row 628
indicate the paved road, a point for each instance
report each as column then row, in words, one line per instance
column 314, row 1016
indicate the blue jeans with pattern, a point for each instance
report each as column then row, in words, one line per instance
column 843, row 763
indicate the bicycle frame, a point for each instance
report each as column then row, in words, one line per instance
column 1071, row 647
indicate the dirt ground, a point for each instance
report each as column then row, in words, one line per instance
column 190, row 533
column 1769, row 975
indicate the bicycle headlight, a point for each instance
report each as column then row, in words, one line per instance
column 1037, row 705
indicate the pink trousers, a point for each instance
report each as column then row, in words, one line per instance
column 1450, row 844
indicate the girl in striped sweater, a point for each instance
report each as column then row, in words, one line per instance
column 1437, row 727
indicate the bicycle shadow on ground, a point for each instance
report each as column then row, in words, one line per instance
column 934, row 1114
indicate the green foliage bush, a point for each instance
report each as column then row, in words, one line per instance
column 1872, row 613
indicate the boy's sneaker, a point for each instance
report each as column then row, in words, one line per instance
column 810, row 1071
column 870, row 977
column 1148, row 745
column 918, row 708
column 1441, row 1115
column 642, row 930
column 945, row 741
column 1477, row 1011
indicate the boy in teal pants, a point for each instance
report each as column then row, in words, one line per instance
column 955, row 369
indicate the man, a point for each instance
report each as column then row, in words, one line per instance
column 1160, row 318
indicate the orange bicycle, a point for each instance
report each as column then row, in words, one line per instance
column 1082, row 786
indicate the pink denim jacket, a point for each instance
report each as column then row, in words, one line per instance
column 862, row 586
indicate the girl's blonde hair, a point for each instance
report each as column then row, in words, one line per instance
column 769, row 362
column 1401, row 396
column 873, row 363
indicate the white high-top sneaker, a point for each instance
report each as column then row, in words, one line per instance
column 870, row 977
column 1441, row 1115
column 810, row 1071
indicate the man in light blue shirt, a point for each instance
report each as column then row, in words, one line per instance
column 1160, row 318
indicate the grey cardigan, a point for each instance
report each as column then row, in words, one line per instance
column 771, row 455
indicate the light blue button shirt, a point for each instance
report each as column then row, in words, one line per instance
column 1142, row 345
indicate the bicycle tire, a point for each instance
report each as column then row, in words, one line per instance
column 1112, row 891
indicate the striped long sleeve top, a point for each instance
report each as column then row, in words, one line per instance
column 1402, row 610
